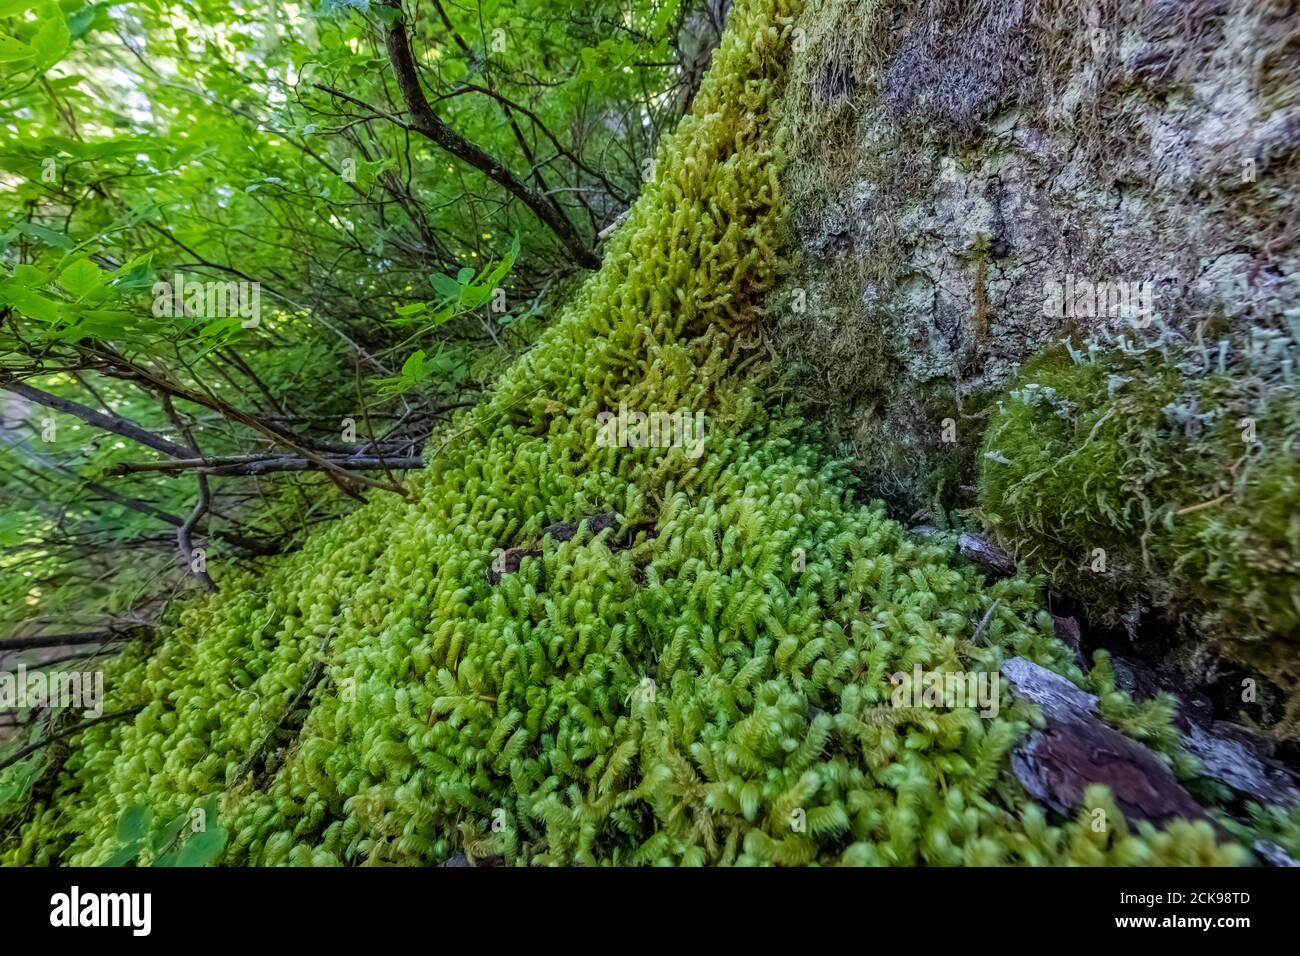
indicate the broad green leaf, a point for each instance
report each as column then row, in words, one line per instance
column 29, row 277
column 165, row 837
column 81, row 278
column 441, row 317
column 80, row 23
column 31, row 303
column 135, row 275
column 209, row 806
column 224, row 326
column 13, row 50
column 202, row 849
column 414, row 365
column 50, row 237
column 53, row 38
column 134, row 823
column 125, row 855
column 445, row 285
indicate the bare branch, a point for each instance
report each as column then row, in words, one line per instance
column 265, row 465
column 112, row 423
column 62, row 640
column 427, row 123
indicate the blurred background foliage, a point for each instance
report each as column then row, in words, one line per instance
column 404, row 245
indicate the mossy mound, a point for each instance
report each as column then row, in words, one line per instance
column 707, row 682
column 1167, row 472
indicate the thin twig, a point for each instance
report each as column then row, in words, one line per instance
column 63, row 735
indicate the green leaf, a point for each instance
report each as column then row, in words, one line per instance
column 165, row 837
column 81, row 278
column 53, row 38
column 441, row 317
column 28, row 277
column 31, row 303
column 222, row 326
column 12, row 49
column 135, row 275
column 209, row 806
column 202, row 849
column 48, row 236
column 125, row 855
column 9, row 7
column 134, row 823
column 414, row 365
column 80, row 23
column 445, row 285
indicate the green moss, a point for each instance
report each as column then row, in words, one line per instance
column 1277, row 825
column 838, row 351
column 840, row 359
column 1162, row 474
column 684, row 699
column 836, row 66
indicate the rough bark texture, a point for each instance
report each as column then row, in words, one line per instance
column 1074, row 749
column 950, row 158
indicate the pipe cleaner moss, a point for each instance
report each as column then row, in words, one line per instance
column 708, row 682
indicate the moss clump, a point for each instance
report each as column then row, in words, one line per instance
column 715, row 692
column 1167, row 472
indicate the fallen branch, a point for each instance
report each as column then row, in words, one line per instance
column 249, row 545
column 112, row 423
column 1074, row 749
column 184, row 541
column 259, row 464
column 980, row 550
column 120, row 367
column 304, row 464
column 63, row 640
